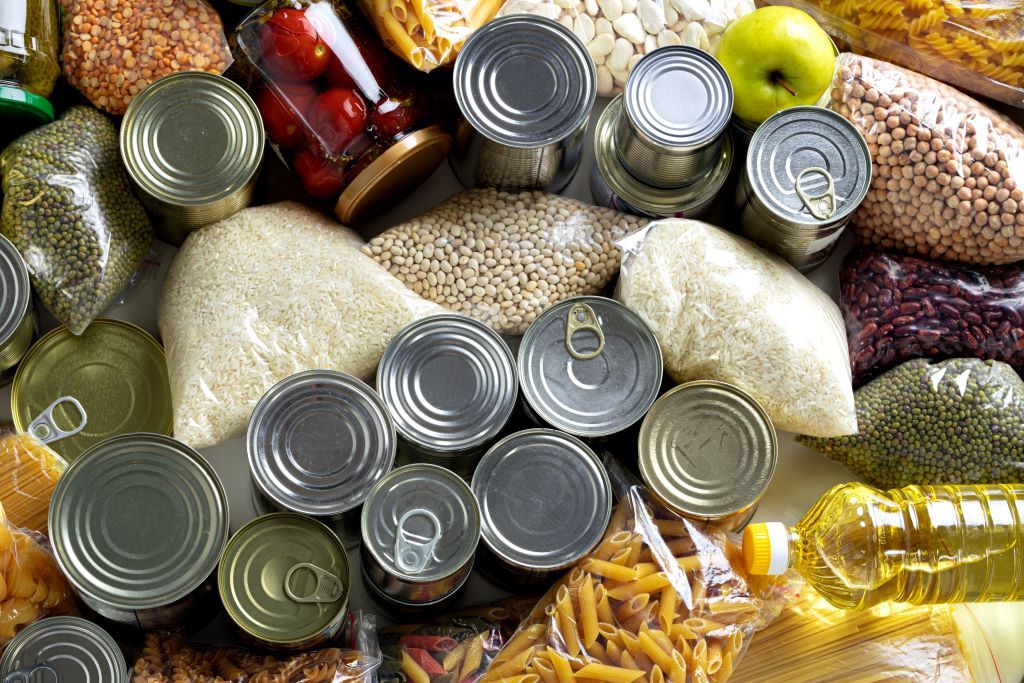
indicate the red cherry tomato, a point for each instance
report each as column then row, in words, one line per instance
column 320, row 178
column 291, row 48
column 337, row 76
column 392, row 117
column 339, row 116
column 283, row 119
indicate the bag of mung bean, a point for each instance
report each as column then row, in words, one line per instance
column 947, row 169
column 504, row 257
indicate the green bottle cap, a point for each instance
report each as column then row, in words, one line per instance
column 18, row 104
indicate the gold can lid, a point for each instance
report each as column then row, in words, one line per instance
column 399, row 169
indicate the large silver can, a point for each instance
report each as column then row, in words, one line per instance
column 525, row 86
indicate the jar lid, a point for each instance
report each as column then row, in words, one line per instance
column 25, row 108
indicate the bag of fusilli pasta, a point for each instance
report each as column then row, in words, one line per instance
column 977, row 45
column 660, row 599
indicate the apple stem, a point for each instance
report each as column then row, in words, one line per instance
column 782, row 81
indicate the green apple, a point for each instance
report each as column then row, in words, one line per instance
column 777, row 57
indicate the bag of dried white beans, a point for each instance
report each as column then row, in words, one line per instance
column 618, row 33
column 724, row 309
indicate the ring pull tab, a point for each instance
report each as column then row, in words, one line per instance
column 45, row 428
column 25, row 675
column 328, row 586
column 582, row 318
column 822, row 206
column 413, row 552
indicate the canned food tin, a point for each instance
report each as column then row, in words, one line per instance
column 73, row 649
column 450, row 385
column 742, row 132
column 138, row 524
column 708, row 451
column 284, row 581
column 807, row 170
column 676, row 107
column 17, row 323
column 525, row 86
column 420, row 529
column 116, row 372
column 317, row 443
column 193, row 144
column 589, row 366
column 612, row 185
column 545, row 500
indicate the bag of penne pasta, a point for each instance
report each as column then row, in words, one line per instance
column 661, row 598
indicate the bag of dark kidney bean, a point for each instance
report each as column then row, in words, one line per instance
column 901, row 307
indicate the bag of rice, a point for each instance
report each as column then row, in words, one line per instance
column 259, row 296
column 724, row 309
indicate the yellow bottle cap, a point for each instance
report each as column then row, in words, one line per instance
column 766, row 548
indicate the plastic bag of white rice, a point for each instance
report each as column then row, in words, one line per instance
column 724, row 309
column 269, row 292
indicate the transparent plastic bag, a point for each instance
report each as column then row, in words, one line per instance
column 661, row 597
column 902, row 307
column 958, row 421
column 618, row 33
column 724, row 309
column 29, row 470
column 977, row 45
column 114, row 49
column 504, row 257
column 947, row 169
column 269, row 292
column 70, row 210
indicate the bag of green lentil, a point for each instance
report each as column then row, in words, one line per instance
column 959, row 421
column 70, row 210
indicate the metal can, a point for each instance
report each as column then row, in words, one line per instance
column 612, row 185
column 17, row 322
column 589, row 366
column 675, row 112
column 284, row 581
column 807, row 170
column 420, row 529
column 708, row 450
column 69, row 649
column 193, row 143
column 138, row 523
column 450, row 385
column 525, row 86
column 317, row 442
column 742, row 132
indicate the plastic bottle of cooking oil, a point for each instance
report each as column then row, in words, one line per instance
column 859, row 546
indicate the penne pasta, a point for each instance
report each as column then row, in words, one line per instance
column 653, row 650
column 522, row 678
column 474, row 657
column 610, row 570
column 667, row 609
column 414, row 673
column 677, row 674
column 657, row 675
column 511, row 667
column 542, row 667
column 631, row 607
column 648, row 584
column 609, row 674
column 588, row 611
column 561, row 666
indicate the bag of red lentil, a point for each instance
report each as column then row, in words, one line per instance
column 115, row 48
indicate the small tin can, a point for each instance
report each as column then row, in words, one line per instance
column 742, row 132
column 63, row 649
column 450, row 385
column 284, row 581
column 612, row 185
column 589, row 366
column 675, row 112
column 317, row 442
column 193, row 143
column 807, row 170
column 708, row 451
column 545, row 501
column 138, row 523
column 17, row 322
column 525, row 86
column 420, row 529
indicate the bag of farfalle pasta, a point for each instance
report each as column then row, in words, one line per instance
column 660, row 599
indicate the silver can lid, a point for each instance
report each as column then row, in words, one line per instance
column 525, row 81
column 318, row 441
column 449, row 382
column 809, row 166
column 138, row 521
column 545, row 499
column 590, row 366
column 77, row 650
column 15, row 292
column 679, row 97
column 421, row 523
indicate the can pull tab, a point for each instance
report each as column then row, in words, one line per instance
column 413, row 552
column 582, row 318
column 822, row 206
column 47, row 674
column 45, row 428
column 328, row 586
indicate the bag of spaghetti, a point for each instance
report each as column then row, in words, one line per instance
column 29, row 470
column 661, row 598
